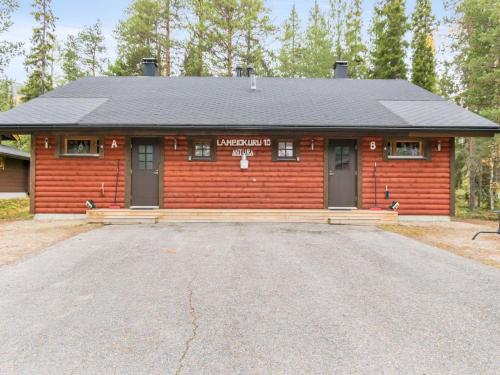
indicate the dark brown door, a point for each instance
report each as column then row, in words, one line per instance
column 342, row 166
column 145, row 172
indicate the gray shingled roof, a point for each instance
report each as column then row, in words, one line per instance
column 13, row 153
column 207, row 102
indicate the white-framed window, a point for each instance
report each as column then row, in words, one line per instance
column 80, row 146
column 286, row 150
column 406, row 149
column 202, row 149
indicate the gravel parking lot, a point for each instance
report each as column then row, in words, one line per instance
column 248, row 298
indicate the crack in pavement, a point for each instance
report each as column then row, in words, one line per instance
column 194, row 328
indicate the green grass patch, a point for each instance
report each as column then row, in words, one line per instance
column 14, row 209
column 479, row 214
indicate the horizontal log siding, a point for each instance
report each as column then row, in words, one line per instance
column 222, row 184
column 14, row 178
column 64, row 184
column 421, row 186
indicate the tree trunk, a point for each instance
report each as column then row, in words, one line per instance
column 492, row 180
column 167, row 36
column 44, row 52
column 480, row 186
column 472, row 174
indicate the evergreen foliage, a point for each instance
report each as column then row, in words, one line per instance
column 290, row 53
column 423, row 49
column 389, row 27
column 318, row 47
column 40, row 57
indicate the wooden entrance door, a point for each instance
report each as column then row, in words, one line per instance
column 145, row 172
column 342, row 173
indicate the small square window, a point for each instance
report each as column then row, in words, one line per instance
column 286, row 150
column 202, row 149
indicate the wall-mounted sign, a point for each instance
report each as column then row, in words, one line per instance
column 373, row 145
column 244, row 142
column 114, row 144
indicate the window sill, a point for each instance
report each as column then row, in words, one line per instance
column 287, row 159
column 406, row 157
column 80, row 155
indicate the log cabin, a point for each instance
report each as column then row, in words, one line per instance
column 14, row 172
column 243, row 143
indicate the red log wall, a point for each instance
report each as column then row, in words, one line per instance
column 63, row 185
column 222, row 184
column 421, row 186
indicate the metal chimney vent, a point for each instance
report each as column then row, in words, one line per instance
column 239, row 71
column 150, row 66
column 340, row 69
column 253, row 79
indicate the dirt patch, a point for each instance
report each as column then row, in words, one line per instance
column 25, row 238
column 456, row 237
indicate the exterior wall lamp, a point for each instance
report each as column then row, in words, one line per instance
column 312, row 144
column 175, row 144
column 439, row 146
column 46, row 143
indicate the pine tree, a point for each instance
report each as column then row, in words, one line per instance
column 7, row 49
column 290, row 54
column 40, row 58
column 146, row 31
column 71, row 65
column 197, row 47
column 389, row 47
column 318, row 56
column 6, row 100
column 423, row 57
column 170, row 20
column 476, row 47
column 256, row 28
column 226, row 25
column 355, row 49
column 92, row 47
column 339, row 19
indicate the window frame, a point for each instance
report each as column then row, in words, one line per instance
column 192, row 142
column 296, row 149
column 2, row 163
column 96, row 141
column 390, row 147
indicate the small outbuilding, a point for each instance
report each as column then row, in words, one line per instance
column 14, row 172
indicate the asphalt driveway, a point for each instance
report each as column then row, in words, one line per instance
column 248, row 298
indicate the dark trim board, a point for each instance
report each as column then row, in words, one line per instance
column 453, row 176
column 187, row 130
column 128, row 170
column 32, row 183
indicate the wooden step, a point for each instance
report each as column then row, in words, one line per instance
column 124, row 220
column 364, row 217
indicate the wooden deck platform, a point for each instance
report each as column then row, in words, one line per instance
column 336, row 217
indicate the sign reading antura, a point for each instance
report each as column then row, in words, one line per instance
column 244, row 142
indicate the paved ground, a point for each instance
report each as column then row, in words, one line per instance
column 248, row 298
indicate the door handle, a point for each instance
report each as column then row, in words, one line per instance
column 156, row 172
